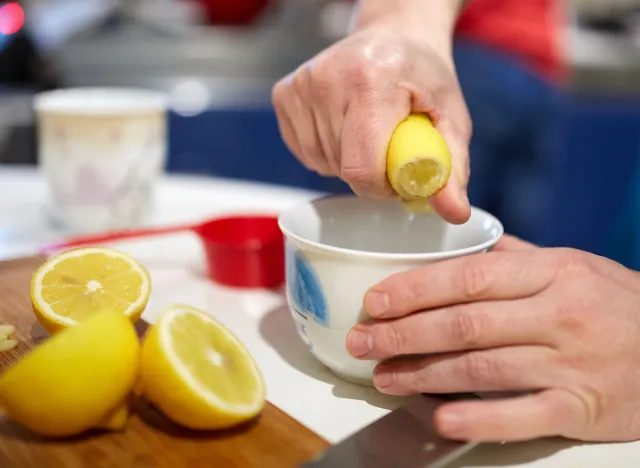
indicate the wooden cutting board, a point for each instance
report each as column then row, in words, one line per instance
column 149, row 440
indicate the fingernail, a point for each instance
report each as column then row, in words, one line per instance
column 359, row 343
column 450, row 422
column 376, row 303
column 383, row 376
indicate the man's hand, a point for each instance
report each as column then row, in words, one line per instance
column 338, row 111
column 560, row 322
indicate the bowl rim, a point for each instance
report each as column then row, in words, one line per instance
column 365, row 254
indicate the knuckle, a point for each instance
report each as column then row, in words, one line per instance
column 410, row 377
column 365, row 75
column 323, row 80
column 278, row 93
column 417, row 380
column 357, row 173
column 415, row 287
column 300, row 81
column 475, row 279
column 391, row 340
column 479, row 367
column 312, row 155
column 377, row 59
column 572, row 260
column 580, row 361
column 465, row 328
column 309, row 146
column 570, row 318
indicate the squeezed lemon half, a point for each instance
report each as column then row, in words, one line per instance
column 198, row 373
column 74, row 285
column 418, row 162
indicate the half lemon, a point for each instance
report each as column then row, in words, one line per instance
column 75, row 379
column 198, row 373
column 74, row 285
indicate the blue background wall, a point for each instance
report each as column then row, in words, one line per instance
column 599, row 148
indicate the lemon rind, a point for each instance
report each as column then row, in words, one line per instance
column 36, row 283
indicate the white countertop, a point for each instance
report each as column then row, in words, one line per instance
column 296, row 382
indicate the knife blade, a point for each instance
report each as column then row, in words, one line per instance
column 404, row 438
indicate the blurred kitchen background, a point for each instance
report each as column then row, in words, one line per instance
column 218, row 59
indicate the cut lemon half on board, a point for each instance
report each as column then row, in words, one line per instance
column 198, row 373
column 418, row 161
column 76, row 379
column 74, row 285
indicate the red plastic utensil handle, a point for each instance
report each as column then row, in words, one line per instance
column 115, row 236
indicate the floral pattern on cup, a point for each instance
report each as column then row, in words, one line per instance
column 104, row 165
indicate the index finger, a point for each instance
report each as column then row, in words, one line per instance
column 369, row 122
column 479, row 277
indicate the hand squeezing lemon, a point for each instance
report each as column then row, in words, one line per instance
column 418, row 162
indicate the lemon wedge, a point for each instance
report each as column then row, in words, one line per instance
column 198, row 373
column 76, row 379
column 418, row 161
column 74, row 285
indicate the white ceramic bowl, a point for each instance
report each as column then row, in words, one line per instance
column 337, row 247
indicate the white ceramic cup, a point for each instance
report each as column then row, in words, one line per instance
column 337, row 247
column 101, row 151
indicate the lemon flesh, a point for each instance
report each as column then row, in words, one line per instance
column 74, row 380
column 418, row 161
column 76, row 284
column 420, row 178
column 198, row 373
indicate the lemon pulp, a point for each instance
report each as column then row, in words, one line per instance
column 421, row 178
column 213, row 360
column 198, row 373
column 77, row 283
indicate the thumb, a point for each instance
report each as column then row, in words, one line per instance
column 452, row 202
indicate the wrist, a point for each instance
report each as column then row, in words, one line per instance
column 425, row 21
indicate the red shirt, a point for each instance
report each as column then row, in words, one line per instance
column 529, row 29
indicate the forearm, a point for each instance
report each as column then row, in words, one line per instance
column 432, row 20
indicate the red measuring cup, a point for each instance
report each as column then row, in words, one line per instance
column 245, row 251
